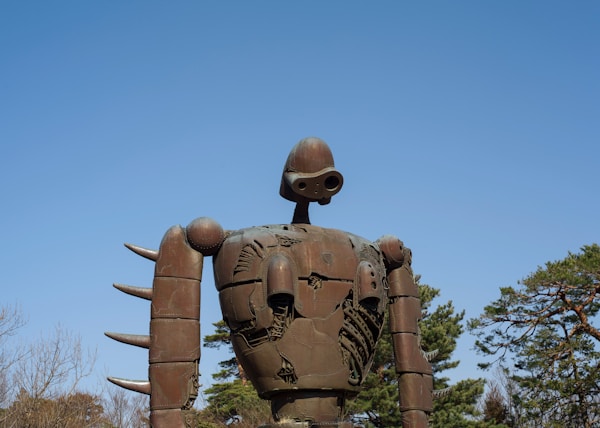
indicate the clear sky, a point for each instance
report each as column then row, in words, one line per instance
column 469, row 129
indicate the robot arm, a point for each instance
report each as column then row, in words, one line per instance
column 174, row 340
column 415, row 381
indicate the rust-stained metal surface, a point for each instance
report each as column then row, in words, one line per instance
column 305, row 306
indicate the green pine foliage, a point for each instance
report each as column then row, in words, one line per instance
column 377, row 404
column 544, row 334
column 233, row 398
column 237, row 401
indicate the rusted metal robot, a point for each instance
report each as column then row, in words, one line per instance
column 305, row 306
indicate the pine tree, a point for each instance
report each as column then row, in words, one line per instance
column 232, row 398
column 377, row 404
column 495, row 408
column 542, row 332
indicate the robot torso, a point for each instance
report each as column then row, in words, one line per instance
column 305, row 305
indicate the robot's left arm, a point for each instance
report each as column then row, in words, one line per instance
column 415, row 381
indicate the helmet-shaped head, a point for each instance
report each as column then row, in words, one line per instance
column 309, row 174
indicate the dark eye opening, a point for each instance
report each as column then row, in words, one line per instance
column 332, row 182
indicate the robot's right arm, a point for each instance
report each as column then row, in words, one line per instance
column 174, row 340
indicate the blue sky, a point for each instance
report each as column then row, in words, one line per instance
column 469, row 129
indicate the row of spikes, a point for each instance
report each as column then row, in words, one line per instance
column 141, row 340
column 437, row 393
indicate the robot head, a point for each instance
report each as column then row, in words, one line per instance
column 309, row 174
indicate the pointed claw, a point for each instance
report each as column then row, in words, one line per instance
column 144, row 252
column 142, row 386
column 440, row 393
column 143, row 292
column 141, row 340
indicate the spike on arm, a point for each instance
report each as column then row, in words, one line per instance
column 429, row 356
column 441, row 393
column 141, row 340
column 142, row 386
column 144, row 252
column 143, row 292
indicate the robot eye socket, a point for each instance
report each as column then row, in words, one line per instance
column 302, row 185
column 332, row 182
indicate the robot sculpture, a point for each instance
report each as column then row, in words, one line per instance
column 305, row 306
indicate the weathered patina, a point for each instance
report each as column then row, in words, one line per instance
column 305, row 306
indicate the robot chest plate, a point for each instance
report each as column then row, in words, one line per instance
column 318, row 267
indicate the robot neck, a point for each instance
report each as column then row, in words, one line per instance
column 301, row 213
